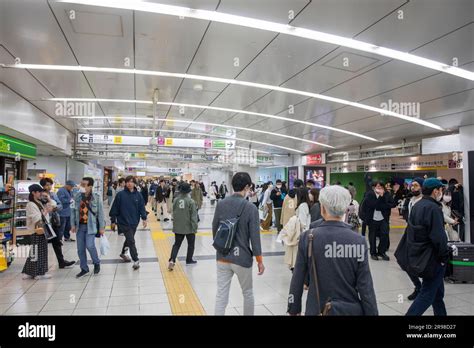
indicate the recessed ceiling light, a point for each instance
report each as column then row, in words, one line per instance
column 198, row 87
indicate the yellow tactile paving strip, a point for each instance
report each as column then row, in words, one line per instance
column 182, row 298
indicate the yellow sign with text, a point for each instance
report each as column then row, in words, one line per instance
column 169, row 142
column 117, row 140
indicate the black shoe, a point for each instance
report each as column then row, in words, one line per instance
column 67, row 264
column 97, row 268
column 374, row 257
column 413, row 295
column 192, row 262
column 385, row 257
column 159, row 220
column 166, row 220
column 81, row 273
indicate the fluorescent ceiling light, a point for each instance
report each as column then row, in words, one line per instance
column 249, row 22
column 227, row 81
column 195, row 133
column 201, row 123
column 238, row 111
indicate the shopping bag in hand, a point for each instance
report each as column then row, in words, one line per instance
column 104, row 245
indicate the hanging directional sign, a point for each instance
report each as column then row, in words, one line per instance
column 160, row 141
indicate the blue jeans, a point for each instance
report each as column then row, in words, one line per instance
column 86, row 241
column 65, row 228
column 431, row 294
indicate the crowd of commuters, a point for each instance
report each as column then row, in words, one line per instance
column 307, row 221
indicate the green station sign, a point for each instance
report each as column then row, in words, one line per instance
column 12, row 147
column 218, row 144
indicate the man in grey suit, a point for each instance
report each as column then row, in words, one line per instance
column 342, row 266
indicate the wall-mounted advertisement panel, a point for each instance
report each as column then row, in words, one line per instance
column 314, row 159
column 292, row 176
column 317, row 174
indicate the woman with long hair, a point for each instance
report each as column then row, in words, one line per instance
column 302, row 208
column 36, row 265
column 267, row 207
column 314, row 206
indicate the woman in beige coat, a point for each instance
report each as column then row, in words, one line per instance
column 290, row 236
column 289, row 207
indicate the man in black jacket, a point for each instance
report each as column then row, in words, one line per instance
column 127, row 209
column 277, row 195
column 378, row 204
column 428, row 214
column 162, row 194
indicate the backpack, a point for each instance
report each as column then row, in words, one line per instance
column 225, row 235
column 352, row 216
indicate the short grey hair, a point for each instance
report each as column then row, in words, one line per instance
column 336, row 199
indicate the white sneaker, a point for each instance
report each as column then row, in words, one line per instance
column 44, row 276
column 170, row 266
column 136, row 265
column 26, row 276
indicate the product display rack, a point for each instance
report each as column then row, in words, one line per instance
column 7, row 212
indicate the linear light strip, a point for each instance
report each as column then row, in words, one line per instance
column 197, row 133
column 226, row 81
column 202, row 123
column 218, row 109
column 249, row 22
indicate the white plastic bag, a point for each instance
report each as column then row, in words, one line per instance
column 104, row 245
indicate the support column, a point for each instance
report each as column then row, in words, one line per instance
column 467, row 147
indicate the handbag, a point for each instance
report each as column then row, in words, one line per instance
column 55, row 220
column 416, row 258
column 48, row 230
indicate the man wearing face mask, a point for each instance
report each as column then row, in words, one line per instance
column 427, row 213
column 416, row 196
column 277, row 195
column 378, row 207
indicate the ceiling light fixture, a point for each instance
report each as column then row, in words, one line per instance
column 223, row 80
column 193, row 133
column 238, row 111
column 281, row 28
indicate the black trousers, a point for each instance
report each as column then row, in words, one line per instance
column 364, row 228
column 58, row 247
column 378, row 229
column 129, row 233
column 191, row 238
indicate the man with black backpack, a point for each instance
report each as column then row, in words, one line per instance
column 238, row 219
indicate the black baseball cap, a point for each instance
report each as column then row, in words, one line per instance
column 35, row 188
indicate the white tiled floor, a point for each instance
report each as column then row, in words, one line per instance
column 119, row 290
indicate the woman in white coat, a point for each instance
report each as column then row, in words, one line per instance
column 448, row 220
column 213, row 192
column 302, row 208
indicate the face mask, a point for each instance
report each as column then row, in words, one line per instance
column 416, row 193
column 82, row 189
column 447, row 199
column 439, row 197
column 279, row 186
column 44, row 200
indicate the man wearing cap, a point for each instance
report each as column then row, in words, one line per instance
column 65, row 197
column 185, row 224
column 427, row 213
